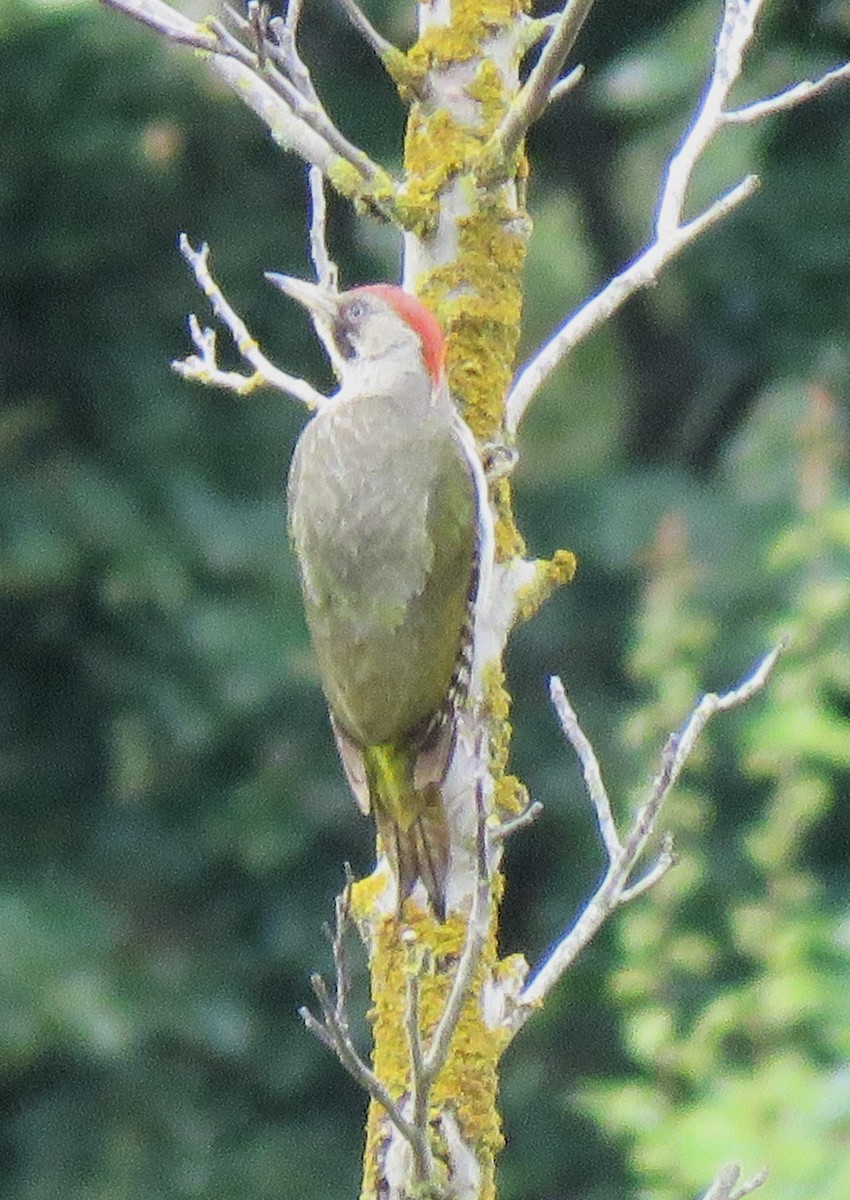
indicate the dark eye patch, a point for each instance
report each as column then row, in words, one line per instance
column 345, row 329
column 343, row 340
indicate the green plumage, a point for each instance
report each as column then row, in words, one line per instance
column 382, row 514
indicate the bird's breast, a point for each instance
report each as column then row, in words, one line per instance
column 382, row 517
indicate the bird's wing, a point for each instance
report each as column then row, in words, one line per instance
column 353, row 766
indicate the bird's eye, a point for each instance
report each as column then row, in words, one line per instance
column 356, row 311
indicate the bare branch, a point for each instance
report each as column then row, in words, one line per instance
column 524, row 819
column 590, row 767
column 203, row 366
column 724, row 1186
column 666, row 859
column 614, row 889
column 316, row 1028
column 293, row 15
column 643, row 272
column 283, row 101
column 672, row 234
column 365, row 28
column 334, row 1036
column 342, row 921
column 807, row 89
column 747, row 1188
column 564, row 86
column 283, row 49
column 326, row 269
column 535, row 93
column 681, row 744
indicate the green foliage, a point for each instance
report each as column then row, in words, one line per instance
column 735, row 981
column 174, row 818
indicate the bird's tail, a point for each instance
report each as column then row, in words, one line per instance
column 411, row 825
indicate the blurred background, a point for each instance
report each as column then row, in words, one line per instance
column 174, row 821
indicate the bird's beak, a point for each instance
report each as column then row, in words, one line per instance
column 318, row 301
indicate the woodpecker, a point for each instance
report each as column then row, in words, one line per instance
column 388, row 517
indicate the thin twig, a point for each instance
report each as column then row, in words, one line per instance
column 326, row 270
column 332, row 1035
column 293, row 15
column 666, row 859
column 258, row 18
column 527, row 817
column 420, row 1083
column 535, row 93
column 317, row 1028
column 807, row 89
column 327, row 273
column 285, row 51
column 413, row 1013
column 203, row 367
column 671, row 233
column 567, row 84
column 342, row 920
column 747, row 1188
column 590, row 767
column 643, row 272
column 724, row 1186
column 365, row 28
column 681, row 744
column 614, row 889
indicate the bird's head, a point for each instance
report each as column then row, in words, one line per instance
column 378, row 329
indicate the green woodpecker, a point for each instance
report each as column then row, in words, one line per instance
column 390, row 524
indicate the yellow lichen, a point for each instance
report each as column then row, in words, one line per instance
column 512, row 969
column 366, row 893
column 436, row 149
column 509, row 541
column 473, row 21
column 467, row 1083
column 252, row 383
column 550, row 573
column 345, row 178
column 497, row 706
column 510, row 796
column 376, row 197
column 488, row 88
column 406, row 73
column 479, row 299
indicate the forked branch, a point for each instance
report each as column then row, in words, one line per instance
column 624, row 853
column 537, row 91
column 203, row 367
column 726, row 1186
column 272, row 79
column 672, row 232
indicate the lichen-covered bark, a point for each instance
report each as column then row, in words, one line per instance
column 464, row 255
column 467, row 1085
column 466, row 258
